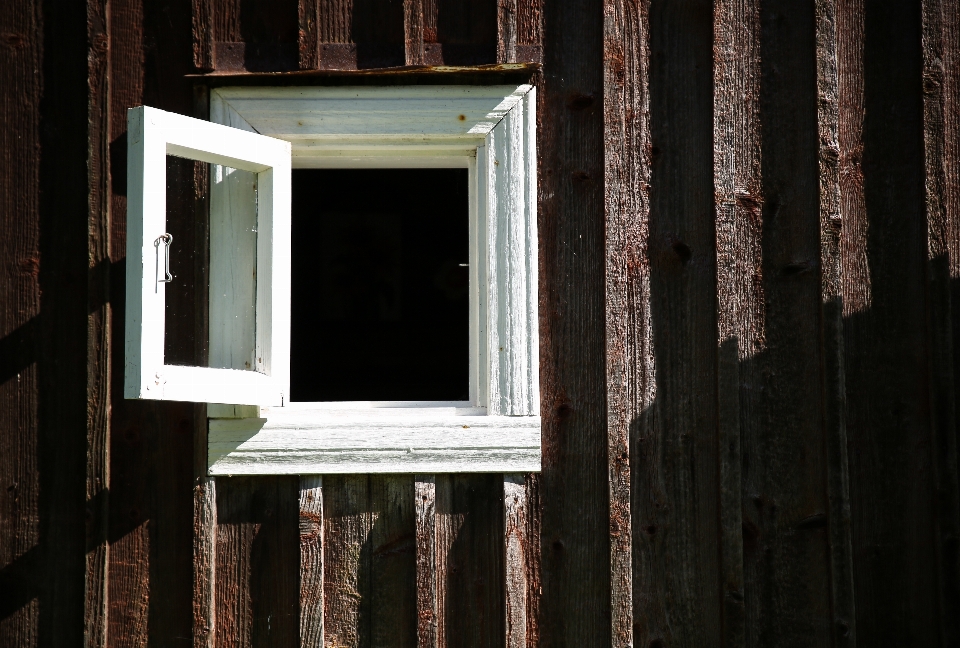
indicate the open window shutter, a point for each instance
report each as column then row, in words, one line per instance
column 152, row 135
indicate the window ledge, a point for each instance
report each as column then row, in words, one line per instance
column 315, row 438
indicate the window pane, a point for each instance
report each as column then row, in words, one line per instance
column 380, row 303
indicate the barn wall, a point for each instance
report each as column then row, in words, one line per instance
column 749, row 304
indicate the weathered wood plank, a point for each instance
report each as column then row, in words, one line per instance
column 203, row 33
column 470, row 560
column 347, row 522
column 98, row 354
column 413, row 32
column 854, row 282
column 311, row 562
column 21, row 575
column 530, row 30
column 392, row 595
column 63, row 180
column 631, row 368
column 853, row 242
column 885, row 337
column 258, row 562
column 673, row 445
column 369, row 561
column 943, row 424
column 425, row 499
column 515, row 560
column 532, row 574
column 204, row 563
column 98, row 325
column 842, row 597
column 309, row 34
column 574, row 608
column 740, row 322
column 506, row 31
column 784, row 499
column 129, row 573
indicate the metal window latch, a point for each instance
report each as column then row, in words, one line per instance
column 166, row 240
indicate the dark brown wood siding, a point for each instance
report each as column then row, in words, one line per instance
column 749, row 221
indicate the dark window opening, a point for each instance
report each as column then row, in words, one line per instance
column 380, row 300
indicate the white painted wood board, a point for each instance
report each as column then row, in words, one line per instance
column 152, row 135
column 404, row 440
column 319, row 119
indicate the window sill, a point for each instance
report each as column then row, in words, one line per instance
column 331, row 438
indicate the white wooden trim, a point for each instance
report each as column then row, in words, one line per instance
column 511, row 246
column 152, row 135
column 315, row 119
column 491, row 131
column 322, row 441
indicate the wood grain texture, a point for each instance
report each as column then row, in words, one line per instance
column 96, row 605
column 631, row 367
column 309, row 34
column 574, row 487
column 943, row 424
column 258, row 562
column 21, row 448
column 532, row 575
column 203, row 33
column 369, row 561
column 853, row 242
column 506, row 31
column 887, row 380
column 515, row 560
column 204, row 563
column 842, row 596
column 530, row 31
column 425, row 500
column 673, row 442
column 470, row 560
column 311, row 562
column 829, row 469
column 413, row 32
column 740, row 323
column 425, row 494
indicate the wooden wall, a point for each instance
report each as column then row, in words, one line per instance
column 750, row 295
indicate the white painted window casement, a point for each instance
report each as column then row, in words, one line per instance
column 254, row 428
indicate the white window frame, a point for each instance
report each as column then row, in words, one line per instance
column 490, row 130
column 153, row 134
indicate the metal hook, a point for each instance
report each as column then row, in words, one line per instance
column 166, row 239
